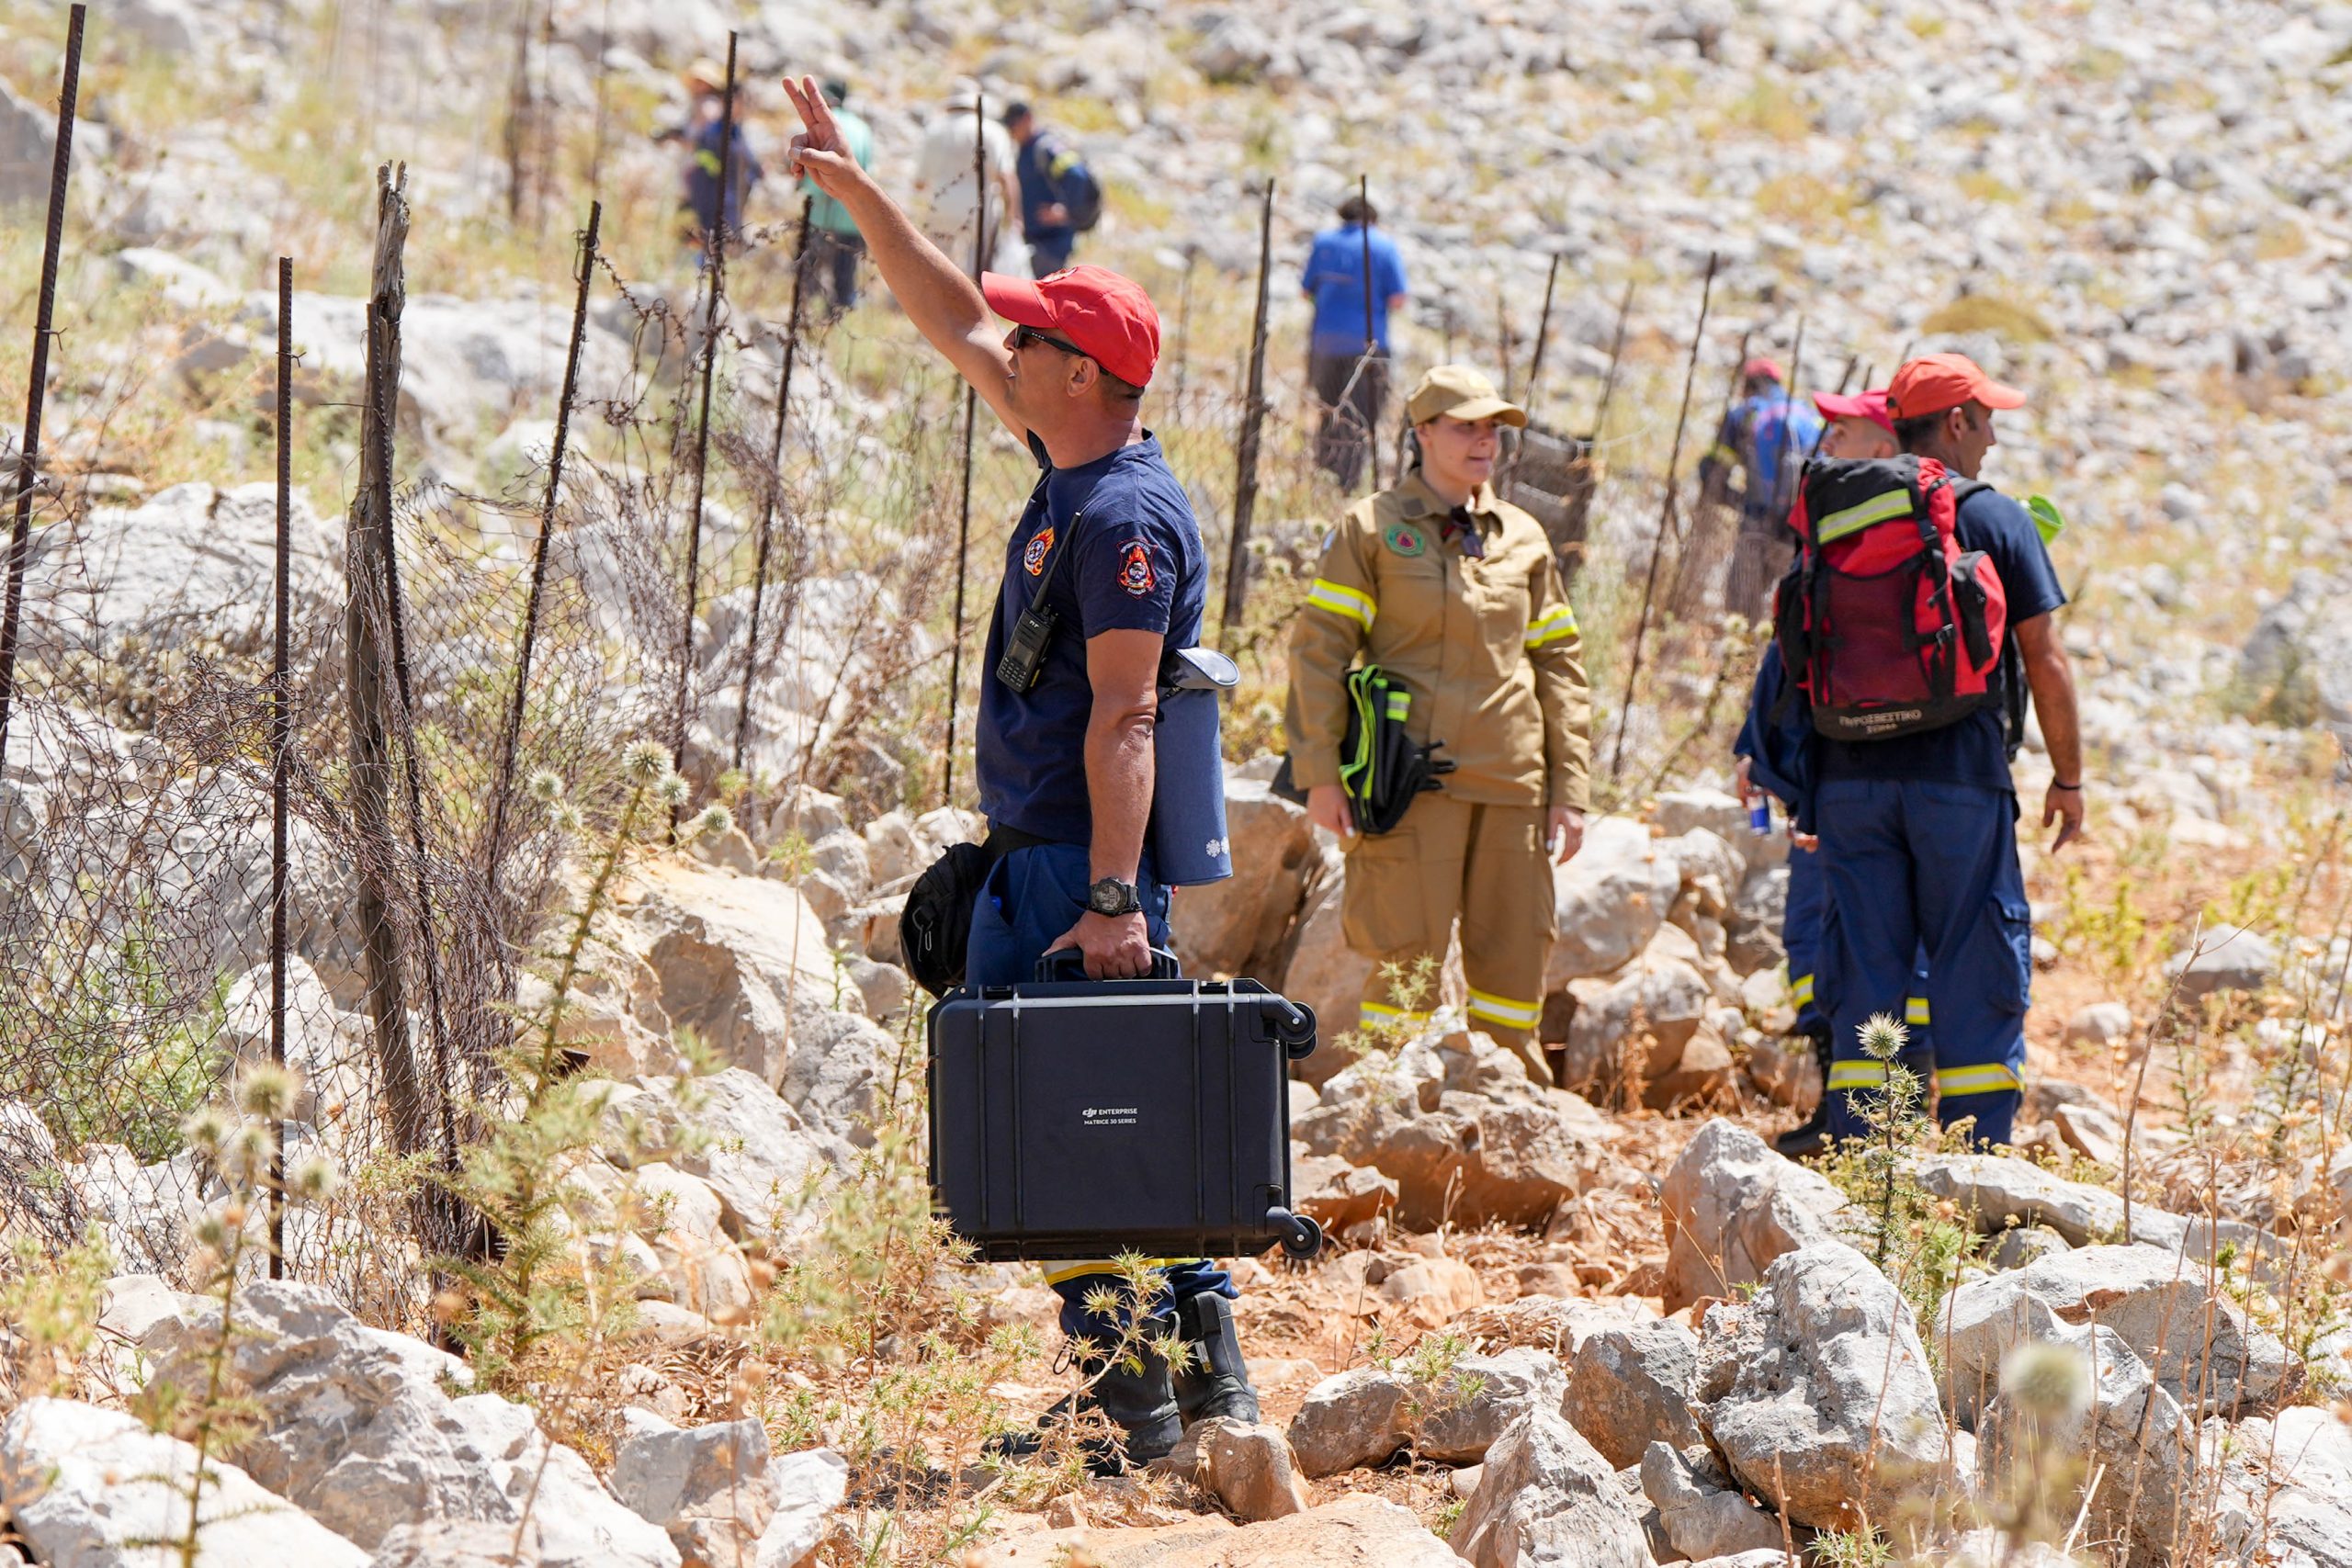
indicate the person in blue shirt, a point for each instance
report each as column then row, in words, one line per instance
column 1769, row 437
column 1918, row 832
column 1087, row 844
column 1044, row 163
column 1351, row 385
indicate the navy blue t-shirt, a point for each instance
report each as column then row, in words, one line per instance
column 1974, row 751
column 1137, row 564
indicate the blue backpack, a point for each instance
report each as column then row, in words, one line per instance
column 1776, row 448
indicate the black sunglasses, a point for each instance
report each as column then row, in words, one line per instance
column 1024, row 336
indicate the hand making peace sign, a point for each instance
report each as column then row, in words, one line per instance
column 819, row 150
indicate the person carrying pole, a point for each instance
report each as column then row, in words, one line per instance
column 1355, row 276
column 1104, row 574
column 1454, row 597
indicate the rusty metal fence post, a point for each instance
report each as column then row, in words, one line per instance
column 1253, row 421
column 44, row 315
column 503, row 786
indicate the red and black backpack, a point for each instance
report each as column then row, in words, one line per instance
column 1886, row 623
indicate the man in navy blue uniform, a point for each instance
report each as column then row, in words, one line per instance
column 1918, row 833
column 1071, row 753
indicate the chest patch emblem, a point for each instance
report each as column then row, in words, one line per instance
column 1135, row 569
column 1405, row 539
column 1033, row 559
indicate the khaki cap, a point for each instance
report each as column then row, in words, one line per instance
column 1461, row 392
column 704, row 72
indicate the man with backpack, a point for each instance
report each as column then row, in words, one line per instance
column 1918, row 617
column 1060, row 198
column 1770, row 438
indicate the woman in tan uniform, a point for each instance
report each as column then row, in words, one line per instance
column 1455, row 594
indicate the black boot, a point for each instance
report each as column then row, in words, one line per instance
column 1142, row 1405
column 1809, row 1137
column 1216, row 1380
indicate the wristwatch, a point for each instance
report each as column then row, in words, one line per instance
column 1112, row 897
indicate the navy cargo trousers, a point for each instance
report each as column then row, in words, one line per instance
column 1911, row 865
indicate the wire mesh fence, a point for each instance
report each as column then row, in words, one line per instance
column 135, row 803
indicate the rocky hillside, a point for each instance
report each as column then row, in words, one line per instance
column 1602, row 1326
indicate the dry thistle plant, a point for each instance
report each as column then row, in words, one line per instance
column 238, row 1142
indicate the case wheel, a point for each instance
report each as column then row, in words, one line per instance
column 1302, row 1238
column 1296, row 1029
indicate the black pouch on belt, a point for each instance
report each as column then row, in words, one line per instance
column 936, row 925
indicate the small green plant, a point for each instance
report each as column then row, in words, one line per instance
column 2034, row 1495
column 1410, row 987
column 891, row 1362
column 1916, row 1238
column 51, row 1305
column 549, row 1285
column 1852, row 1549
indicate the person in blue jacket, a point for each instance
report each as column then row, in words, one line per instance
column 1772, row 749
column 708, row 211
column 1772, row 752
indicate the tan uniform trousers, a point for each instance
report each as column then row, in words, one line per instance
column 1484, row 864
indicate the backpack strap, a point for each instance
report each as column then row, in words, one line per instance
column 2013, row 682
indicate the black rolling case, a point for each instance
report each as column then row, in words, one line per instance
column 1082, row 1119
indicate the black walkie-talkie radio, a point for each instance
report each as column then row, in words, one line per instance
column 1033, row 634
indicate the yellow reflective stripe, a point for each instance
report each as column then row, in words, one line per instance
column 1915, row 1009
column 1384, row 1011
column 1801, row 989
column 1072, row 1269
column 1504, row 1011
column 1853, row 519
column 1342, row 600
column 1993, row 1078
column 1399, row 704
column 1559, row 624
column 1856, row 1075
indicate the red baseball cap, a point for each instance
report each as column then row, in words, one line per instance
column 1870, row 406
column 1761, row 366
column 1934, row 382
column 1108, row 316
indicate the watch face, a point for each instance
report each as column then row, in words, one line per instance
column 1110, row 897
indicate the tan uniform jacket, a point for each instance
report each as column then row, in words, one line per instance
column 1487, row 648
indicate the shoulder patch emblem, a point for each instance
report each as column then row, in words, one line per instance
column 1405, row 539
column 1135, row 569
column 1032, row 559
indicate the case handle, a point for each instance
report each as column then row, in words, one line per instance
column 1165, row 965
